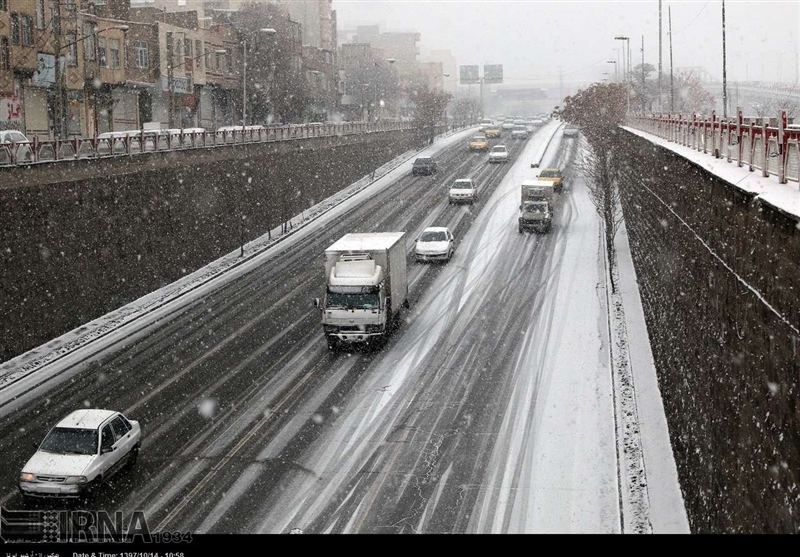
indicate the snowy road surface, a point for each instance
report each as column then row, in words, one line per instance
column 490, row 409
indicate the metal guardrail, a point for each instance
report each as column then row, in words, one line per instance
column 749, row 142
column 149, row 141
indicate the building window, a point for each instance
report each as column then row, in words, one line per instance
column 142, row 54
column 40, row 14
column 114, row 45
column 228, row 62
column 3, row 5
column 217, row 56
column 187, row 47
column 198, row 51
column 5, row 58
column 72, row 49
column 101, row 52
column 56, row 24
column 27, row 30
column 88, row 44
column 14, row 29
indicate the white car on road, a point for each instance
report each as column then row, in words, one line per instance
column 81, row 452
column 499, row 153
column 435, row 244
column 463, row 190
column 519, row 132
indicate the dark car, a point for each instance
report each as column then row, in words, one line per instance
column 423, row 165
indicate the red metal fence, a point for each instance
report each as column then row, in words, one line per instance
column 751, row 142
column 145, row 141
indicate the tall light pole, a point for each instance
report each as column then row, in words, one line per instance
column 267, row 32
column 626, row 64
column 724, row 69
column 671, row 82
column 643, row 83
column 660, row 71
column 615, row 67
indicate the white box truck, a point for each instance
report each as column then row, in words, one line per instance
column 536, row 205
column 366, row 285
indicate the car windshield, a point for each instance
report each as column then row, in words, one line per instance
column 69, row 440
column 479, row 138
column 461, row 186
column 498, row 149
column 348, row 300
column 550, row 174
column 433, row 236
column 423, row 161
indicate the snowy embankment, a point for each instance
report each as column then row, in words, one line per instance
column 19, row 374
column 784, row 197
column 667, row 512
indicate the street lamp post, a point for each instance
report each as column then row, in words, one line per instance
column 626, row 63
column 615, row 67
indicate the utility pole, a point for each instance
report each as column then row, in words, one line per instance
column 170, row 80
column 56, row 23
column 659, row 56
column 671, row 81
column 724, row 69
column 244, row 85
column 643, row 84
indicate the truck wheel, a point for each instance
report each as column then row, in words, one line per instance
column 520, row 229
column 333, row 344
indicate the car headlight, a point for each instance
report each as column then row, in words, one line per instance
column 27, row 477
column 73, row 480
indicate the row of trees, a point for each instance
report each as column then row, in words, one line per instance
column 686, row 95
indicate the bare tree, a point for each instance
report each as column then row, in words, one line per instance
column 597, row 167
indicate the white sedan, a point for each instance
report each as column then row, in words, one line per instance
column 81, row 452
column 499, row 153
column 463, row 190
column 435, row 244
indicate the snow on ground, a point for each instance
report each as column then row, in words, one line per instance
column 18, row 375
column 785, row 197
column 667, row 510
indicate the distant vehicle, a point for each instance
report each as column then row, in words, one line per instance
column 423, row 165
column 435, row 244
column 485, row 123
column 553, row 175
column 508, row 125
column 463, row 190
column 537, row 122
column 536, row 206
column 529, row 127
column 499, row 153
column 18, row 141
column 571, row 131
column 479, row 143
column 519, row 132
column 81, row 452
column 493, row 132
column 366, row 285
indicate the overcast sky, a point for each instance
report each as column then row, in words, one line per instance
column 532, row 38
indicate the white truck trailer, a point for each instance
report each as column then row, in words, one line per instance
column 366, row 285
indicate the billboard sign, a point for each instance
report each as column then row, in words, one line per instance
column 493, row 73
column 11, row 109
column 468, row 74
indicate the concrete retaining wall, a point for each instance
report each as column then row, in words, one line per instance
column 78, row 239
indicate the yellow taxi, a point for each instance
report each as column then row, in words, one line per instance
column 553, row 175
column 493, row 132
column 479, row 143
